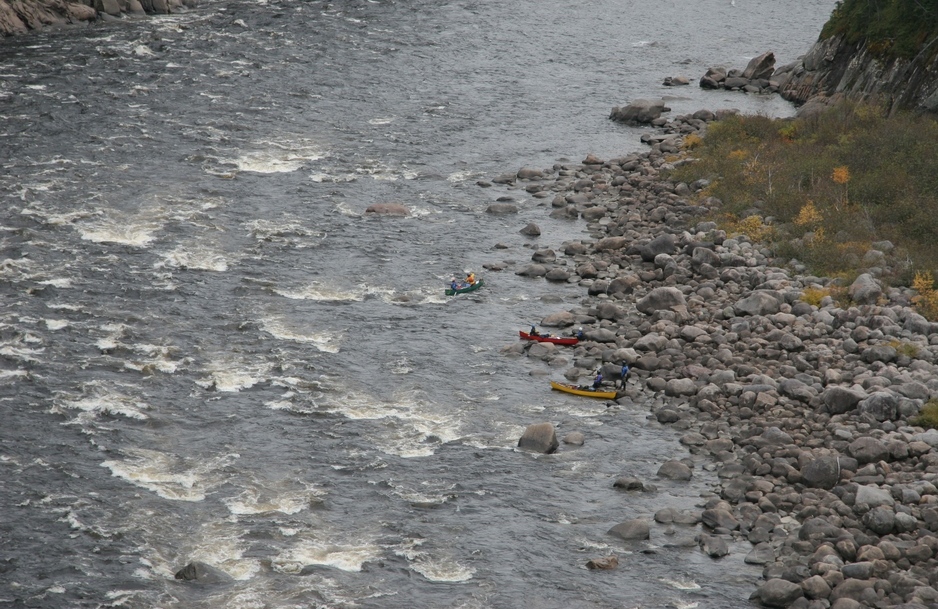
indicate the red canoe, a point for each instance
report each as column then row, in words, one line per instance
column 549, row 339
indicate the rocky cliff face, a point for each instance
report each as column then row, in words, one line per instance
column 834, row 69
column 21, row 16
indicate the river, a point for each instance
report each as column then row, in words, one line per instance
column 210, row 352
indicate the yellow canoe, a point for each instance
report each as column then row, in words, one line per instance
column 606, row 395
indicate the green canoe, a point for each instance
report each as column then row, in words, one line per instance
column 467, row 288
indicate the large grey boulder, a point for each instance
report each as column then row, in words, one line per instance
column 758, row 303
column 640, row 111
column 662, row 244
column 714, row 547
column 632, row 530
column 840, row 400
column 865, row 289
column 388, row 209
column 675, row 470
column 822, row 472
column 539, row 437
column 661, row 298
column 882, row 406
column 501, row 209
column 761, row 67
column 608, row 244
column 868, row 450
column 559, row 320
column 779, row 592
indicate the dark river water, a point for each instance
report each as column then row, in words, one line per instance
column 209, row 352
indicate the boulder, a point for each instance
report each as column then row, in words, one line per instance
column 501, row 209
column 761, row 67
column 882, row 406
column 868, row 450
column 714, row 547
column 632, row 530
column 779, row 592
column 531, row 230
column 640, row 111
column 822, row 472
column 758, row 303
column 719, row 518
column 388, row 209
column 203, row 573
column 662, row 244
column 840, row 400
column 539, row 437
column 661, row 298
column 865, row 290
column 605, row 563
column 675, row 470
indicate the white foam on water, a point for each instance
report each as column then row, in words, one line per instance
column 110, row 342
column 55, row 324
column 681, row 584
column 159, row 359
column 323, row 293
column 411, row 425
column 216, row 542
column 135, row 232
column 434, row 568
column 287, row 231
column 60, row 282
column 401, row 366
column 195, row 257
column 6, row 375
column 119, row 598
column 229, row 374
column 320, row 177
column 346, row 556
column 461, row 176
column 21, row 354
column 327, row 342
column 380, row 121
column 13, row 270
column 283, row 156
column 101, row 399
column 346, row 210
column 284, row 496
column 504, row 435
column 442, row 569
column 170, row 476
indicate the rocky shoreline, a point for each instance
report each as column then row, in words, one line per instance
column 23, row 16
column 804, row 411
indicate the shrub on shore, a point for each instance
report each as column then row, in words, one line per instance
column 829, row 188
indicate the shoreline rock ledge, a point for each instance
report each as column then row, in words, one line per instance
column 23, row 16
column 804, row 408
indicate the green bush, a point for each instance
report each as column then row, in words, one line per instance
column 928, row 416
column 863, row 177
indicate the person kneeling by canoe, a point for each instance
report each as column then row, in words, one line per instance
column 534, row 331
column 598, row 381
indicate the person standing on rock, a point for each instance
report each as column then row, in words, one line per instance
column 623, row 375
